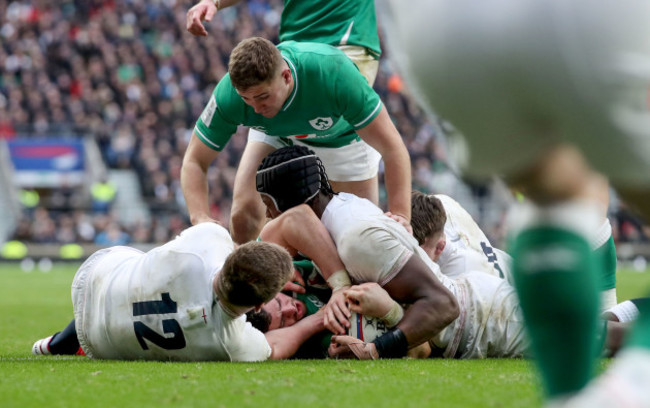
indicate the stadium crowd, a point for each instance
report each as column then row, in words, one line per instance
column 127, row 73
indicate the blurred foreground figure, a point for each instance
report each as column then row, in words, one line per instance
column 542, row 90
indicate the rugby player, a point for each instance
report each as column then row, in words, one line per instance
column 350, row 26
column 296, row 93
column 542, row 90
column 182, row 301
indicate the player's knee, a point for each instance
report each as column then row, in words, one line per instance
column 560, row 174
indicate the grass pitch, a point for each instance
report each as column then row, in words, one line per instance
column 37, row 304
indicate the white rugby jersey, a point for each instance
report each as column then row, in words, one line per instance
column 374, row 248
column 161, row 305
column 468, row 248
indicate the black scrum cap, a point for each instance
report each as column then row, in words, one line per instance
column 290, row 176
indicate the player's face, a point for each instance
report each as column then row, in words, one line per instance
column 271, row 210
column 285, row 311
column 268, row 97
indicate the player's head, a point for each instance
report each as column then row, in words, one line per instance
column 254, row 273
column 428, row 219
column 281, row 311
column 290, row 176
column 260, row 76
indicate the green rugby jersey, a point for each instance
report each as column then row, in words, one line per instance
column 329, row 101
column 317, row 296
column 351, row 22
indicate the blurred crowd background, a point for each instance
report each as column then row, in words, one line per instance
column 128, row 75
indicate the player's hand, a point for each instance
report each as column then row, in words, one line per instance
column 202, row 11
column 296, row 284
column 337, row 313
column 369, row 299
column 402, row 220
column 351, row 347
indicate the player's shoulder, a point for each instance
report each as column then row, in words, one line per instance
column 447, row 201
column 207, row 242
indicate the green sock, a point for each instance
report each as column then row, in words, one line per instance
column 555, row 275
column 606, row 254
column 640, row 336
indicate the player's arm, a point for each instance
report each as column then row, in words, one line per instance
column 431, row 308
column 194, row 179
column 286, row 341
column 300, row 229
column 381, row 134
column 204, row 10
column 247, row 212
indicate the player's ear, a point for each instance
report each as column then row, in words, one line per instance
column 286, row 75
column 440, row 246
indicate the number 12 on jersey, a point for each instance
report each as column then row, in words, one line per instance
column 170, row 326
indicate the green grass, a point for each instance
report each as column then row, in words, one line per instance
column 37, row 304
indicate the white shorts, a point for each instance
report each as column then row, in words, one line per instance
column 84, row 305
column 494, row 324
column 518, row 76
column 367, row 64
column 356, row 161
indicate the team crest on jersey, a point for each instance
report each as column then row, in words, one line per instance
column 321, row 123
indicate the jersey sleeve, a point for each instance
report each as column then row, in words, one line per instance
column 216, row 125
column 358, row 102
column 372, row 254
column 249, row 345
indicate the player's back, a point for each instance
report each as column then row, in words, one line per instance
column 467, row 247
column 373, row 246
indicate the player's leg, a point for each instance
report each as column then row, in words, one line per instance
column 61, row 343
column 248, row 212
column 367, row 64
column 603, row 244
column 363, row 188
column 556, row 272
column 627, row 380
column 627, row 311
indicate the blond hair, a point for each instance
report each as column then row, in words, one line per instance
column 253, row 61
column 254, row 273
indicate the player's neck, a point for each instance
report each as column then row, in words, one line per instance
column 320, row 203
column 233, row 310
column 230, row 309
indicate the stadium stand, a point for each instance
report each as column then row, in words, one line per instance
column 127, row 80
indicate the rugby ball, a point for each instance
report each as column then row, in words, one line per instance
column 366, row 328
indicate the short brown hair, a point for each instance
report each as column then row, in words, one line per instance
column 253, row 61
column 260, row 320
column 428, row 216
column 254, row 273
